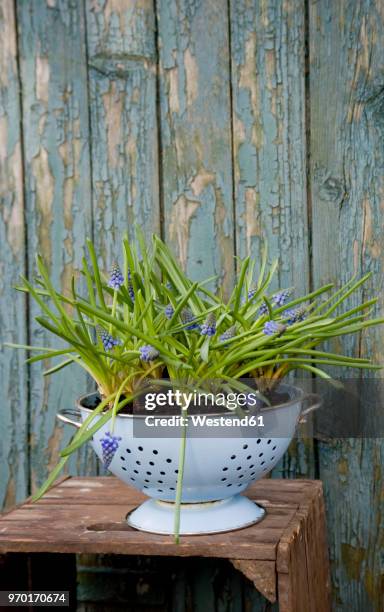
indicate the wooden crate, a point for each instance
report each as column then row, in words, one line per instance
column 285, row 555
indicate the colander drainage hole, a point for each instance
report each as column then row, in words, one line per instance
column 274, row 448
column 251, row 466
column 132, row 478
column 146, row 480
column 265, row 469
column 159, row 490
column 258, row 441
column 124, row 468
column 135, row 472
column 225, row 469
column 138, row 462
column 140, row 448
column 176, row 472
column 241, row 476
column 229, row 485
column 249, row 457
column 122, row 458
column 155, row 452
column 128, row 450
column 262, row 463
column 272, row 458
column 172, row 488
column 261, row 454
column 151, row 463
column 233, row 456
column 269, row 441
column 245, row 446
column 149, row 473
column 160, row 481
column 162, row 473
column 239, row 485
column 238, row 468
column 169, row 460
column 223, row 479
column 145, row 487
column 252, row 473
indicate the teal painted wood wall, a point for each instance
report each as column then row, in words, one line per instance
column 216, row 124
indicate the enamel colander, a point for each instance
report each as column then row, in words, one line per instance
column 217, row 469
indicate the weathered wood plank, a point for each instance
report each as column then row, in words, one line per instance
column 346, row 79
column 57, row 185
column 122, row 83
column 13, row 323
column 196, row 136
column 269, row 150
column 268, row 81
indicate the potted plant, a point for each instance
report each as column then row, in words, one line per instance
column 147, row 329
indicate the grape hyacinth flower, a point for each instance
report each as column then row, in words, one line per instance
column 187, row 316
column 209, row 326
column 130, row 287
column 116, row 278
column 272, row 327
column 293, row 315
column 280, row 298
column 228, row 334
column 109, row 446
column 250, row 295
column 169, row 311
column 109, row 342
column 262, row 310
column 148, row 353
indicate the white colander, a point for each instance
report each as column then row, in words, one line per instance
column 216, row 469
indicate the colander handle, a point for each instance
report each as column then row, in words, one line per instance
column 64, row 417
column 315, row 401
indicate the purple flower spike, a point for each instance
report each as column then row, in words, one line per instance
column 169, row 311
column 228, row 334
column 280, row 298
column 209, row 326
column 116, row 278
column 251, row 293
column 109, row 342
column 148, row 353
column 293, row 315
column 271, row 328
column 130, row 287
column 187, row 316
column 109, row 446
column 262, row 310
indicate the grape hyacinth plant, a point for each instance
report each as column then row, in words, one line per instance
column 109, row 445
column 147, row 321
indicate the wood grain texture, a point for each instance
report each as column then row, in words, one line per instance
column 290, row 540
column 13, row 322
column 269, row 151
column 58, row 203
column 196, row 136
column 346, row 78
column 268, row 82
column 124, row 147
column 261, row 573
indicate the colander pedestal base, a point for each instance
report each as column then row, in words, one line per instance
column 235, row 512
